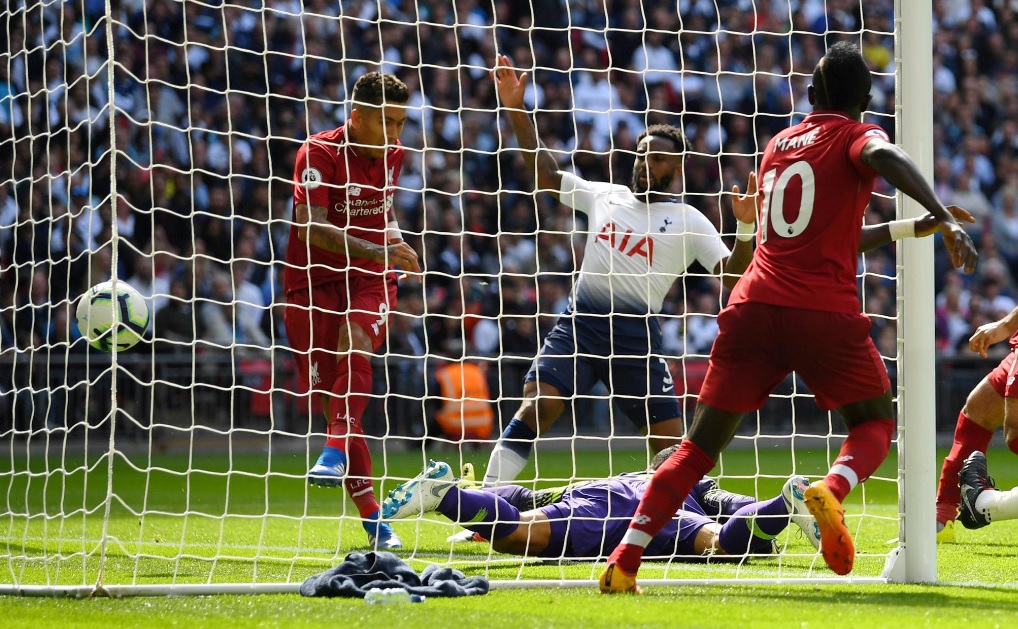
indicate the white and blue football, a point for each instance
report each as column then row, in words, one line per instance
column 101, row 307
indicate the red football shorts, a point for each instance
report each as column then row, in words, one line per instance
column 314, row 318
column 758, row 345
column 1002, row 378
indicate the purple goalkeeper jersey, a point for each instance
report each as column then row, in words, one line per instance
column 592, row 517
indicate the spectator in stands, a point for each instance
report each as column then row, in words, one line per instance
column 174, row 325
column 975, row 87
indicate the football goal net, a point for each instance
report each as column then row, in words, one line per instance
column 153, row 143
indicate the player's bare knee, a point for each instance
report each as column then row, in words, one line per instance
column 1011, row 432
column 665, row 434
column 984, row 406
column 528, row 412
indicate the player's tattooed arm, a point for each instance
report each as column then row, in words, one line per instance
column 314, row 228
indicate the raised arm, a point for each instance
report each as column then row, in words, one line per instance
column 900, row 171
column 511, row 87
column 745, row 207
column 314, row 227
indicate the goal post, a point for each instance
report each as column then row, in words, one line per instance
column 917, row 427
column 154, row 141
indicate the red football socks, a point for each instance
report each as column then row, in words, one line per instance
column 350, row 394
column 968, row 437
column 862, row 452
column 352, row 391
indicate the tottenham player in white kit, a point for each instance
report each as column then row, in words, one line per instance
column 640, row 240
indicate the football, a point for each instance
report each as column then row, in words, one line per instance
column 101, row 306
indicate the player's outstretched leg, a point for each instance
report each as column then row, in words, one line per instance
column 380, row 534
column 836, row 544
column 974, row 480
column 716, row 502
column 615, row 581
column 467, row 481
column 794, row 494
column 330, row 469
column 420, row 494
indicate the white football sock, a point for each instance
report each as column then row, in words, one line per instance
column 504, row 466
column 847, row 473
column 635, row 537
column 998, row 505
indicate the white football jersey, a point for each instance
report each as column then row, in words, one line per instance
column 634, row 250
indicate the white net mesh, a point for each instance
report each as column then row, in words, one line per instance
column 184, row 459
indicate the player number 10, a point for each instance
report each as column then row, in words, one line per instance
column 774, row 197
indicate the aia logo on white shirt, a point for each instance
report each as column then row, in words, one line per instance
column 353, row 191
column 627, row 242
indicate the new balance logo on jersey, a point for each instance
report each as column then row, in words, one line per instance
column 353, row 191
column 641, row 519
column 627, row 242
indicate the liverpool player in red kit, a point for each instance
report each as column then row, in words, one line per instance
column 339, row 279
column 796, row 309
column 992, row 403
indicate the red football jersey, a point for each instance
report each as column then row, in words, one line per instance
column 359, row 194
column 815, row 189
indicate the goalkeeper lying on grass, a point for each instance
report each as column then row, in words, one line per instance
column 588, row 519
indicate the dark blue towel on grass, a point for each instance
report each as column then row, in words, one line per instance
column 361, row 572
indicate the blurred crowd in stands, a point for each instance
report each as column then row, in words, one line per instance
column 213, row 99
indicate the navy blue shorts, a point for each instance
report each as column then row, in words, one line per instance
column 623, row 352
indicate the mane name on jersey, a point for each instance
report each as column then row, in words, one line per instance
column 624, row 241
column 796, row 141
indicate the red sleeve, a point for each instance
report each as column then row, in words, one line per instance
column 862, row 135
column 314, row 175
column 397, row 156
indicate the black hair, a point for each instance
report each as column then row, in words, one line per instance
column 668, row 132
column 375, row 89
column 842, row 80
column 662, row 456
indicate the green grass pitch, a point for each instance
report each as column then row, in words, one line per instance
column 304, row 535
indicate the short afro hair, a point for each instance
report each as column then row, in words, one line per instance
column 662, row 456
column 842, row 80
column 668, row 132
column 375, row 89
